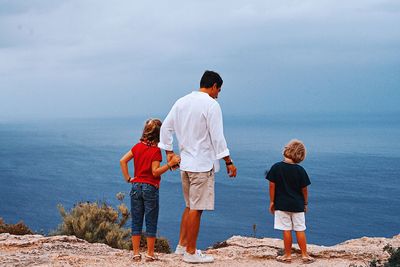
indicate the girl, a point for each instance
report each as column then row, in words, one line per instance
column 145, row 184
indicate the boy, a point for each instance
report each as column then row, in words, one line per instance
column 288, row 194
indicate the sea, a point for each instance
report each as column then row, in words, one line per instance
column 352, row 161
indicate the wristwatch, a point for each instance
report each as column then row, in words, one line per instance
column 229, row 163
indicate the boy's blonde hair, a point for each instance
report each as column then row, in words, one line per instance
column 295, row 150
column 151, row 131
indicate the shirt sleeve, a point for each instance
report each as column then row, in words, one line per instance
column 157, row 155
column 133, row 149
column 216, row 128
column 305, row 180
column 271, row 175
column 167, row 131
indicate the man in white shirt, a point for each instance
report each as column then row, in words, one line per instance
column 196, row 120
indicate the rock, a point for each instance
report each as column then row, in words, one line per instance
column 37, row 250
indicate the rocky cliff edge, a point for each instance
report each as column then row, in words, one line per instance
column 37, row 250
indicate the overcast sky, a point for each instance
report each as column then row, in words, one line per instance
column 96, row 58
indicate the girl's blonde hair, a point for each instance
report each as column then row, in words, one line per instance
column 151, row 131
column 295, row 150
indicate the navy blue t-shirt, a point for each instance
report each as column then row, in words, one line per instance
column 289, row 179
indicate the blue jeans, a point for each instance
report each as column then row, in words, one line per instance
column 144, row 203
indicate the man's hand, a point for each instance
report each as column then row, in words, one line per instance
column 175, row 159
column 272, row 207
column 170, row 155
column 305, row 208
column 231, row 170
column 174, row 162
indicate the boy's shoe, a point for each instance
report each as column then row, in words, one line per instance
column 150, row 258
column 284, row 259
column 180, row 250
column 197, row 257
column 137, row 257
column 307, row 259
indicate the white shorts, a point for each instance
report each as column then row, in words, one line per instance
column 284, row 220
column 198, row 189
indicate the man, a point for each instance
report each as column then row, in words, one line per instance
column 196, row 120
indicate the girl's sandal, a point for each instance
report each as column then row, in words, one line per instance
column 307, row 260
column 150, row 258
column 284, row 259
column 137, row 257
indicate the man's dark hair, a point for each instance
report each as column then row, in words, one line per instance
column 209, row 78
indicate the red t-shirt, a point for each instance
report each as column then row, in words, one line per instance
column 143, row 156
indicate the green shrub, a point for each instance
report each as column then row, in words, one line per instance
column 100, row 223
column 161, row 245
column 392, row 261
column 15, row 229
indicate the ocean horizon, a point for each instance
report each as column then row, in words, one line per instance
column 352, row 161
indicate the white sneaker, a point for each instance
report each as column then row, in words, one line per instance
column 180, row 250
column 197, row 257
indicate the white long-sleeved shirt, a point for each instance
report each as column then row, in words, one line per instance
column 196, row 120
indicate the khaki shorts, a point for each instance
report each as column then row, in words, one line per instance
column 284, row 220
column 198, row 189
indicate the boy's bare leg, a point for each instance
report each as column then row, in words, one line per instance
column 183, row 230
column 302, row 241
column 287, row 241
column 193, row 226
column 150, row 246
column 136, row 244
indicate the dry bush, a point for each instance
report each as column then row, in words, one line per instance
column 97, row 223
column 100, row 223
column 15, row 229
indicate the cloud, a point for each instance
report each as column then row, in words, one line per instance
column 72, row 52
